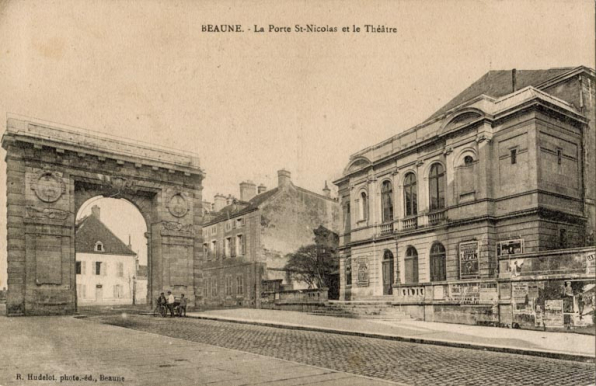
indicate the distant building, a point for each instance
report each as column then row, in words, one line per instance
column 246, row 240
column 140, row 291
column 105, row 266
column 480, row 213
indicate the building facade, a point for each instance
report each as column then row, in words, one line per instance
column 105, row 266
column 245, row 241
column 441, row 218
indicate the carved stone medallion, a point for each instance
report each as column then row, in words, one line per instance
column 178, row 206
column 49, row 186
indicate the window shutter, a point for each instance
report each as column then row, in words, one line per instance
column 243, row 245
column 233, row 247
column 83, row 265
column 105, row 269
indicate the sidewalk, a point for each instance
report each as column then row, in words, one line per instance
column 547, row 344
column 48, row 348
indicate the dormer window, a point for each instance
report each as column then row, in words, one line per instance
column 99, row 247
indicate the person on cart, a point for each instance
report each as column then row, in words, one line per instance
column 161, row 300
column 171, row 301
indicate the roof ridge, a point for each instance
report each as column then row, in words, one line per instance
column 122, row 244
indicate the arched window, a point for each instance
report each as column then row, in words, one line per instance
column 99, row 247
column 411, row 265
column 410, row 195
column 438, row 266
column 363, row 206
column 437, row 187
column 466, row 175
column 387, row 255
column 387, row 201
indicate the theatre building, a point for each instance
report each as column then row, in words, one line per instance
column 483, row 213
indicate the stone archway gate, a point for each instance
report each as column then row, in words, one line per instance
column 53, row 170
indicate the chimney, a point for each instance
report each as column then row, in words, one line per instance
column 262, row 188
column 284, row 178
column 207, row 206
column 96, row 211
column 326, row 190
column 229, row 199
column 129, row 243
column 514, row 79
column 219, row 202
column 248, row 190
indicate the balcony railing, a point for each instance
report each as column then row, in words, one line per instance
column 409, row 223
column 436, row 218
column 386, row 229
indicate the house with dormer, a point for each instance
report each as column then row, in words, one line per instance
column 105, row 265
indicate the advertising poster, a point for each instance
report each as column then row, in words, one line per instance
column 553, row 313
column 468, row 260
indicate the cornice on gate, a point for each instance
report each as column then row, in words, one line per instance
column 103, row 146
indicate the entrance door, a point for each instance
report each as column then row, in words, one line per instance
column 98, row 293
column 387, row 273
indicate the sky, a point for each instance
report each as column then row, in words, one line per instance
column 251, row 103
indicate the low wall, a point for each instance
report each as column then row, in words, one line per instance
column 305, row 300
column 550, row 290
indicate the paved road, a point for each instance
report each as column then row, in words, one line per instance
column 408, row 363
column 62, row 350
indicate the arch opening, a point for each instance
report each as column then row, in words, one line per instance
column 112, row 258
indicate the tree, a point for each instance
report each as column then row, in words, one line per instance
column 313, row 264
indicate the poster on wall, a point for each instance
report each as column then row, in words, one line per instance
column 488, row 293
column 464, row 293
column 468, row 260
column 363, row 273
column 591, row 263
column 510, row 247
column 553, row 313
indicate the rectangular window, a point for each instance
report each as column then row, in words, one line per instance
column 229, row 225
column 240, row 285
column 118, row 291
column 214, row 249
column 207, row 287
column 214, row 230
column 239, row 222
column 559, row 156
column 98, row 267
column 227, row 249
column 78, row 268
column 206, row 251
column 83, row 267
column 213, row 286
column 228, row 285
column 513, row 156
column 239, row 245
column 120, row 269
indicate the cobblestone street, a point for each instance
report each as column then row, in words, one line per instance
column 414, row 364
